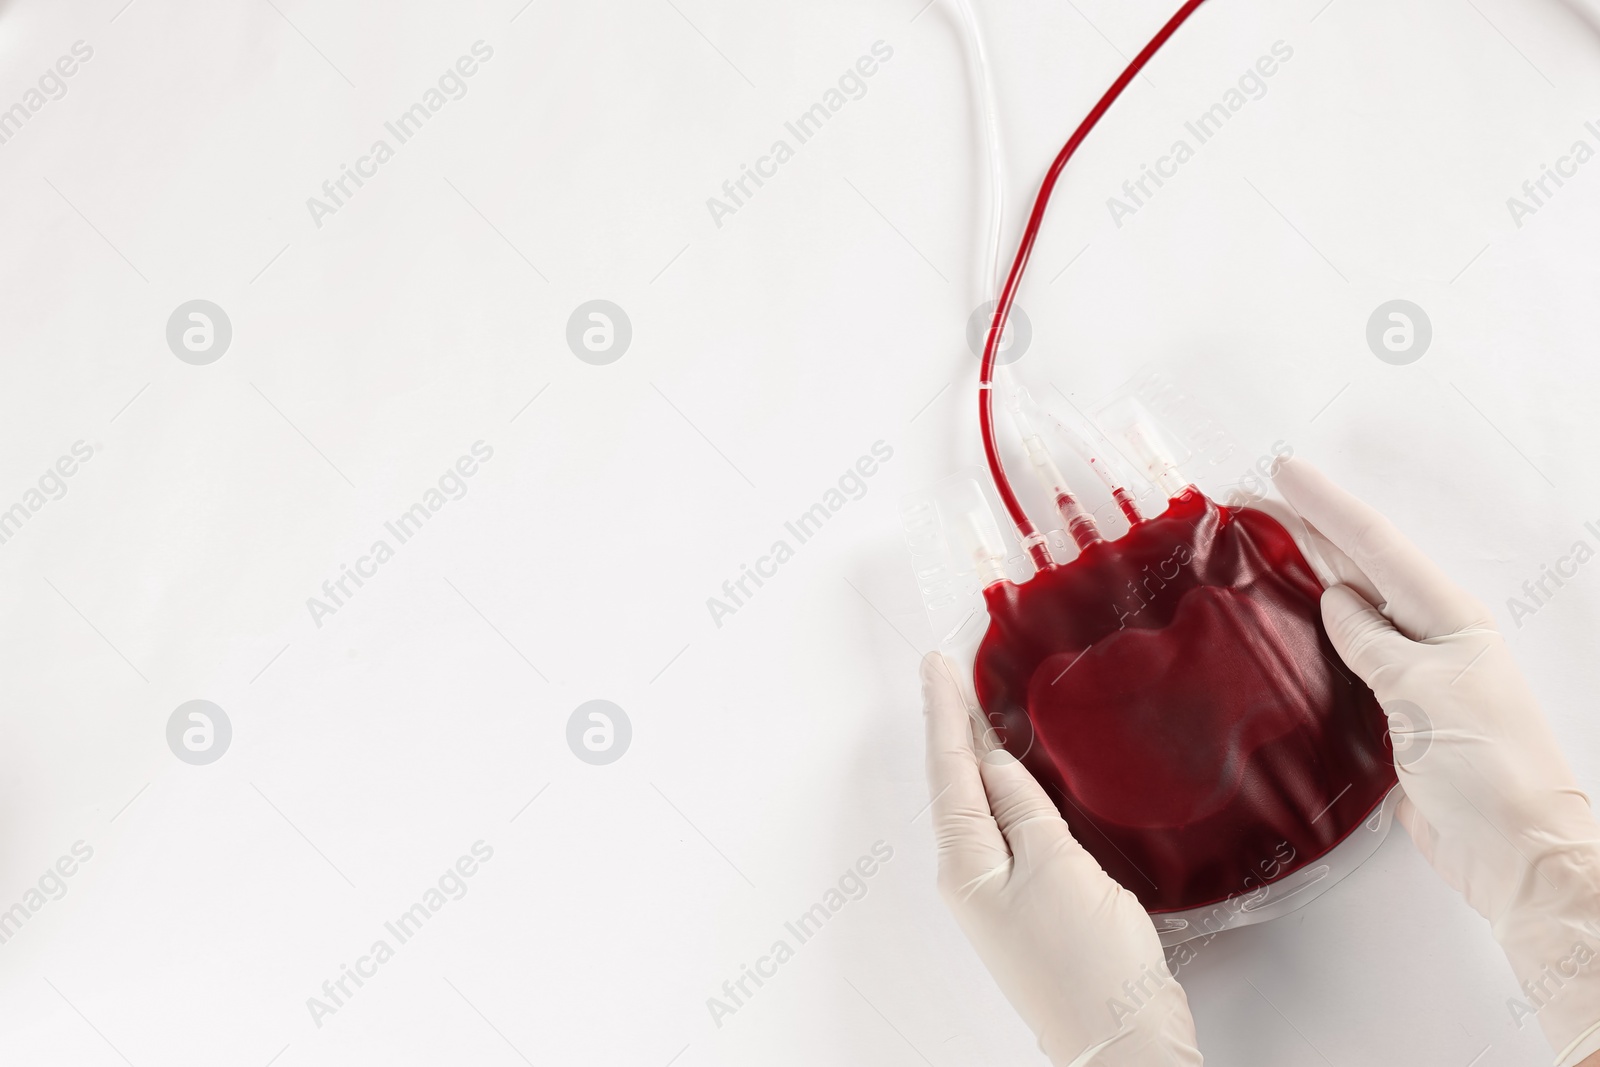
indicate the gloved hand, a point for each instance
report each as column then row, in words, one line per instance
column 1490, row 801
column 1071, row 949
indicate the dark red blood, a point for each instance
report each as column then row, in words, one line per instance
column 1177, row 695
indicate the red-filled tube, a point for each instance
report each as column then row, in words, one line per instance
column 1032, row 540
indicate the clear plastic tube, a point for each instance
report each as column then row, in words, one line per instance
column 978, row 57
column 1033, row 541
column 1025, row 527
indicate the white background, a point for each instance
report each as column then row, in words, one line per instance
column 767, row 355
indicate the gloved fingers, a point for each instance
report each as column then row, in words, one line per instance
column 1364, row 639
column 962, row 823
column 1417, row 595
column 1333, row 567
column 1339, row 569
column 1022, row 809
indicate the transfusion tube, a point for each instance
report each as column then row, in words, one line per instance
column 1032, row 540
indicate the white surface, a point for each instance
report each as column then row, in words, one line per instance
column 824, row 316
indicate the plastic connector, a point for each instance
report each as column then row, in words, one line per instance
column 975, row 535
column 1079, row 523
column 1098, row 458
column 1130, row 425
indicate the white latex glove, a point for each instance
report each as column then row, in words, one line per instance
column 1490, row 801
column 1071, row 949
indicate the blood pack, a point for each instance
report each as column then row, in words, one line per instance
column 1164, row 673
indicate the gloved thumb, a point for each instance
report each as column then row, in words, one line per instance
column 1034, row 830
column 1020, row 805
column 1364, row 639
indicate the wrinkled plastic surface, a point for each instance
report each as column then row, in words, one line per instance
column 1176, row 693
